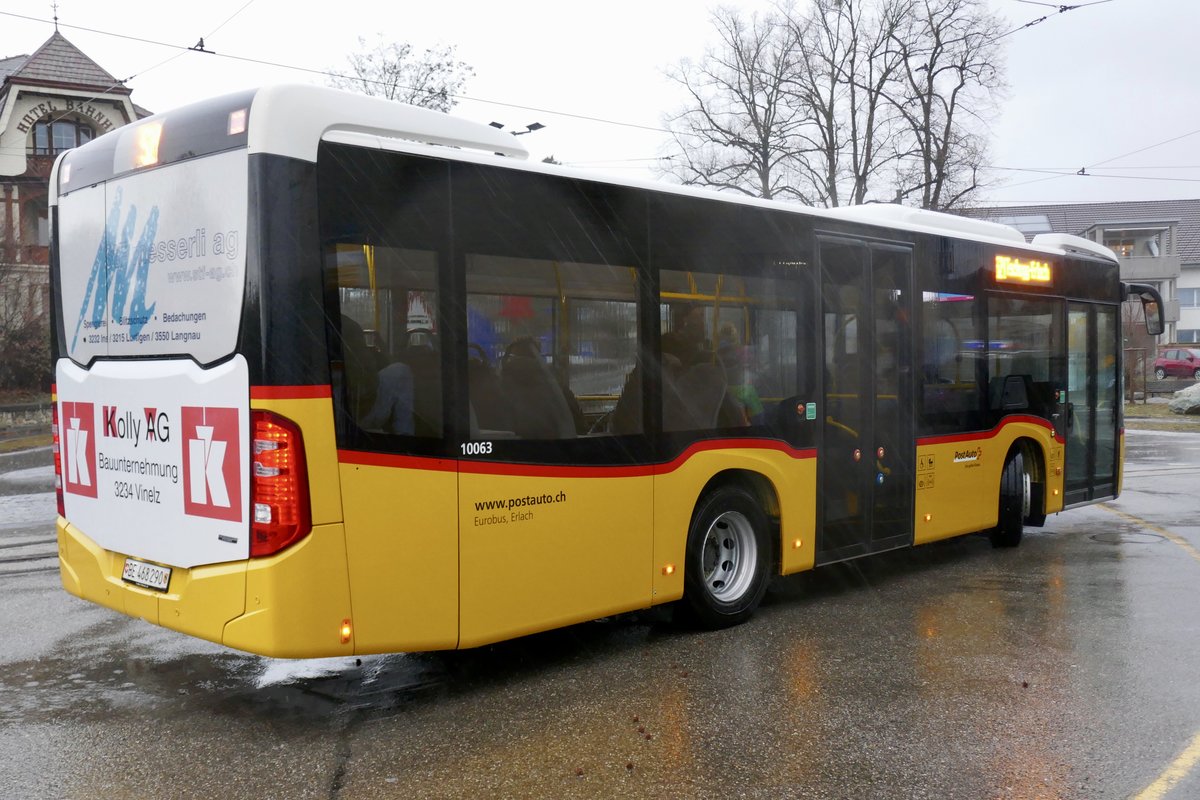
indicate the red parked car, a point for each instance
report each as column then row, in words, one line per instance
column 1182, row 362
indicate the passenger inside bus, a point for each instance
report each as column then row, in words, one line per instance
column 736, row 358
column 392, row 411
column 686, row 339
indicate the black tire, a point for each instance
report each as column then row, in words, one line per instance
column 1196, row 374
column 1014, row 500
column 728, row 559
column 1160, row 373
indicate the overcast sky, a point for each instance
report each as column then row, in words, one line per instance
column 1089, row 87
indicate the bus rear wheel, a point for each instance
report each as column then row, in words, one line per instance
column 1015, row 498
column 727, row 560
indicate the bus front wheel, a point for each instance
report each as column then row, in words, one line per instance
column 1015, row 497
column 728, row 557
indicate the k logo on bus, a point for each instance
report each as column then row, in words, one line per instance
column 212, row 479
column 77, row 443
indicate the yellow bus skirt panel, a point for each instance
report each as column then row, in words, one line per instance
column 198, row 602
column 298, row 601
column 791, row 474
column 311, row 408
column 958, row 477
column 402, row 551
column 545, row 546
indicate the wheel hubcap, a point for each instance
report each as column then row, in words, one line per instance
column 1026, row 495
column 729, row 557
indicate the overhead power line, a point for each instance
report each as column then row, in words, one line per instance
column 199, row 47
column 1061, row 9
column 1148, row 147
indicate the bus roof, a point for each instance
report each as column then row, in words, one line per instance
column 292, row 120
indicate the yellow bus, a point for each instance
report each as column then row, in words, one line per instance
column 336, row 375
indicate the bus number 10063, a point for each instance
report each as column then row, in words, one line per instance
column 476, row 448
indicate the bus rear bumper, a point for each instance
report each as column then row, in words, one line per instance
column 291, row 605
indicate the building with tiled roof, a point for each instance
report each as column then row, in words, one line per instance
column 1157, row 242
column 50, row 101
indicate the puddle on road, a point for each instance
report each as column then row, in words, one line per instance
column 1127, row 537
column 96, row 679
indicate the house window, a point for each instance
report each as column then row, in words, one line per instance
column 1138, row 242
column 1122, row 247
column 52, row 138
column 1189, row 298
column 1185, row 336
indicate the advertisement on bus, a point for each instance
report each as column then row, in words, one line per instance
column 154, row 263
column 153, row 457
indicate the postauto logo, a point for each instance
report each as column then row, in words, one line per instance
column 212, row 480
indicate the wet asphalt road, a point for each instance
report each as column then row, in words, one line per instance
column 1062, row 669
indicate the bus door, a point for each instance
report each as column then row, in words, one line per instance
column 1093, row 410
column 866, row 462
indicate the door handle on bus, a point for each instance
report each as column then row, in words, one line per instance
column 1070, row 416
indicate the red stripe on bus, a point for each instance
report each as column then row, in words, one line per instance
column 431, row 463
column 554, row 470
column 973, row 437
column 308, row 392
column 559, row 471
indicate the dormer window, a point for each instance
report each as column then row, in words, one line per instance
column 52, row 138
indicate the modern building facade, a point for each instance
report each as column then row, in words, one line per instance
column 50, row 101
column 1157, row 241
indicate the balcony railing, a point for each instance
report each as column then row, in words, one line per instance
column 1150, row 268
column 1170, row 311
column 26, row 254
column 38, row 165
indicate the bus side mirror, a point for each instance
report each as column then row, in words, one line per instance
column 1151, row 305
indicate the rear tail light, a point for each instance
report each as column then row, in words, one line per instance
column 57, row 448
column 278, row 485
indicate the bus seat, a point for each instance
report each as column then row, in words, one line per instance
column 1010, row 392
column 426, row 365
column 360, row 365
column 626, row 415
column 539, row 410
column 392, row 411
column 488, row 400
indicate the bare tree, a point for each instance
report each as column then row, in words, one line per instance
column 24, row 327
column 739, row 130
column 951, row 79
column 847, row 64
column 393, row 70
column 847, row 101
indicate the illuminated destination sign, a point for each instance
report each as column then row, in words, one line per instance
column 1016, row 270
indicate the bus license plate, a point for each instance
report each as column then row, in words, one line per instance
column 149, row 575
